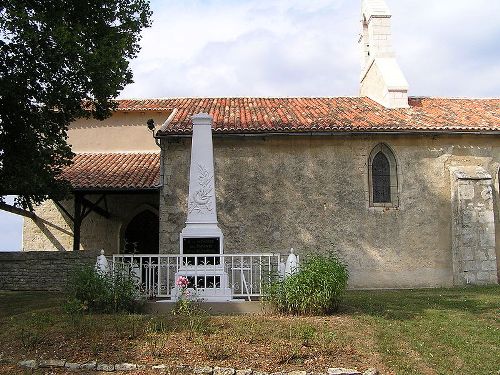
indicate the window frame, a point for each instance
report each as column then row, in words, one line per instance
column 394, row 178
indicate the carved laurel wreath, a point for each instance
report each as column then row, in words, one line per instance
column 201, row 199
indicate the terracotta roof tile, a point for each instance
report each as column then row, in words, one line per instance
column 109, row 171
column 342, row 114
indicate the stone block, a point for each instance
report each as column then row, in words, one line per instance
column 105, row 367
column 30, row 363
column 489, row 265
column 371, row 371
column 481, row 255
column 486, row 217
column 159, row 367
column 343, row 371
column 483, row 276
column 203, row 370
column 492, row 254
column 52, row 363
column 469, row 266
column 223, row 371
column 92, row 365
column 466, row 192
column 470, row 277
column 125, row 367
column 487, row 239
column 467, row 254
column 72, row 365
column 247, row 371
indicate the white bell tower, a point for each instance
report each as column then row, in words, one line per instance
column 381, row 77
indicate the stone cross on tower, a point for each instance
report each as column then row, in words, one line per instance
column 381, row 77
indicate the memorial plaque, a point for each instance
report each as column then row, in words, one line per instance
column 201, row 246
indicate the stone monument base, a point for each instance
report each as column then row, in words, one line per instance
column 206, row 284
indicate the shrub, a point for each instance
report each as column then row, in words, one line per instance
column 91, row 291
column 317, row 288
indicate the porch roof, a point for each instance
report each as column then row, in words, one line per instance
column 125, row 171
column 335, row 114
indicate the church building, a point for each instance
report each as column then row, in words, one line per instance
column 404, row 190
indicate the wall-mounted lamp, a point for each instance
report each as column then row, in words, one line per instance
column 151, row 126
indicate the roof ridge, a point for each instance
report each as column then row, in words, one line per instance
column 243, row 97
column 118, row 152
column 454, row 97
column 301, row 97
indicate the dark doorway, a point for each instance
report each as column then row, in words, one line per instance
column 142, row 234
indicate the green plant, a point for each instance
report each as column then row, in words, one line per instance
column 75, row 312
column 289, row 352
column 216, row 348
column 35, row 329
column 304, row 332
column 156, row 344
column 193, row 317
column 317, row 287
column 157, row 325
column 189, row 311
column 92, row 291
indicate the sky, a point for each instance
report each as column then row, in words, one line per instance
column 272, row 48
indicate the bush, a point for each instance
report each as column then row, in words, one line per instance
column 317, row 288
column 91, row 291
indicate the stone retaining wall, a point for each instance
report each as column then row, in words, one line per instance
column 41, row 270
column 163, row 368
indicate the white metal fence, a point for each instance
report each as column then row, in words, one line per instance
column 242, row 274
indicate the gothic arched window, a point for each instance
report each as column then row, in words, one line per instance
column 382, row 170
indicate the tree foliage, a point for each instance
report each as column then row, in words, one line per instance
column 56, row 55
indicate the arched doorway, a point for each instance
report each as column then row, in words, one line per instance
column 141, row 235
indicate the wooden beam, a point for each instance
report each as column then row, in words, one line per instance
column 95, row 207
column 17, row 211
column 58, row 204
column 77, row 222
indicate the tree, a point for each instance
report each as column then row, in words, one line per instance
column 60, row 60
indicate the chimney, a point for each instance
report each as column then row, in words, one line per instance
column 381, row 77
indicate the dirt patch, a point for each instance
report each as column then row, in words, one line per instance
column 265, row 343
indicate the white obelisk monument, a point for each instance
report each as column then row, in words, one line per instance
column 202, row 208
column 202, row 236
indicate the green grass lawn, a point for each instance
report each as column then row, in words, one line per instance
column 439, row 331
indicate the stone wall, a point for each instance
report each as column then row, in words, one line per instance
column 54, row 230
column 312, row 193
column 40, row 270
column 473, row 227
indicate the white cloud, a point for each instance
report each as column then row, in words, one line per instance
column 309, row 47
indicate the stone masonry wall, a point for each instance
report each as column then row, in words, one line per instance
column 474, row 255
column 311, row 193
column 41, row 270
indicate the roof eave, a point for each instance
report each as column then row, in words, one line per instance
column 333, row 133
column 128, row 190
